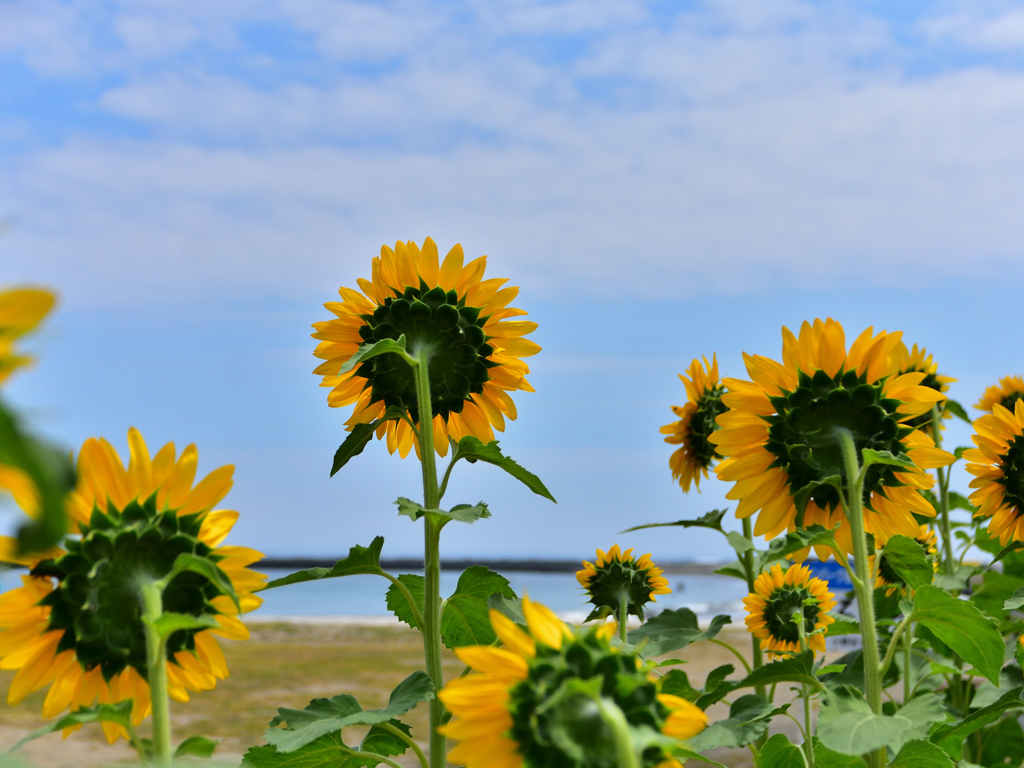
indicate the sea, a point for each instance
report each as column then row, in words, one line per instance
column 363, row 596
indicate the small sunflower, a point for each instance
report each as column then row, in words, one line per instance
column 998, row 468
column 75, row 623
column 778, row 434
column 21, row 310
column 477, row 349
column 887, row 577
column 1006, row 393
column 919, row 361
column 696, row 423
column 617, row 575
column 776, row 597
column 507, row 715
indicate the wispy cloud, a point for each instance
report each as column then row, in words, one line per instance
column 611, row 146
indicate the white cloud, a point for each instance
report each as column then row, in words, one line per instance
column 720, row 149
column 980, row 27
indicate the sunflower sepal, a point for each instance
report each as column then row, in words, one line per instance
column 170, row 622
column 798, row 541
column 205, row 567
column 463, row 513
column 804, row 495
column 869, row 457
column 119, row 714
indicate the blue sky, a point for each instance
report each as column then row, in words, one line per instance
column 663, row 180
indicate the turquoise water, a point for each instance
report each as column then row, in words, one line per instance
column 364, row 595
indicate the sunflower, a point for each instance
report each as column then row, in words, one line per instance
column 465, row 320
column 887, row 577
column 75, row 623
column 21, row 310
column 998, row 468
column 919, row 361
column 779, row 434
column 696, row 423
column 617, row 576
column 776, row 597
column 511, row 714
column 1006, row 393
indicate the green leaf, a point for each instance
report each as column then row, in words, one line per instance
column 716, row 686
column 958, row 501
column 905, row 556
column 749, row 717
column 1009, row 549
column 826, row 758
column 712, row 519
column 843, row 626
column 204, row 567
column 463, row 513
column 995, row 591
column 739, row 542
column 1016, row 601
column 170, row 623
column 52, row 474
column 779, row 752
column 870, row 457
column 325, row 716
column 848, row 726
column 399, row 605
column 196, row 746
column 961, row 626
column 952, row 406
column 383, row 742
column 794, row 541
column 382, row 347
column 979, row 719
column 328, row 751
column 677, row 683
column 472, row 450
column 733, row 569
column 353, row 445
column 921, row 754
column 104, row 713
column 672, row 630
column 922, row 712
column 1004, row 743
column 360, row 560
column 465, row 619
column 510, row 609
column 798, row 668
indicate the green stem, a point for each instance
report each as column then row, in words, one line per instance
column 890, row 652
column 947, row 535
column 374, row 757
column 863, row 584
column 620, row 732
column 400, row 734
column 623, row 615
column 908, row 643
column 156, row 669
column 808, row 746
column 748, row 567
column 735, row 653
column 431, row 556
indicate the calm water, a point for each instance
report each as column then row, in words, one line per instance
column 364, row 595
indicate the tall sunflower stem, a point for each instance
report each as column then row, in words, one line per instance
column 806, row 692
column 748, row 568
column 431, row 556
column 624, row 751
column 863, row 585
column 947, row 535
column 156, row 672
column 908, row 644
column 623, row 615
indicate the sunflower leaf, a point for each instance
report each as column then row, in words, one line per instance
column 171, row 622
column 398, row 603
column 712, row 519
column 463, row 513
column 472, row 450
column 794, row 669
column 1009, row 549
column 870, row 457
column 353, row 445
column 979, row 718
column 794, row 541
column 103, row 713
column 921, row 754
column 905, row 556
column 848, row 726
column 749, row 717
column 360, row 560
column 509, row 608
column 826, row 758
column 780, row 752
column 382, row 347
column 465, row 619
column 1016, row 601
column 328, row 751
column 958, row 410
column 672, row 630
column 960, row 625
column 327, row 716
column 196, row 746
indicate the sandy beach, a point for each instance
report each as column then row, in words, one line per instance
column 287, row 664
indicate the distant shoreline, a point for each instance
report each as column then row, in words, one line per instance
column 531, row 566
